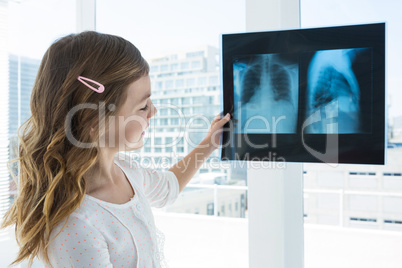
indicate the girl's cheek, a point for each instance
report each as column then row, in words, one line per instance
column 133, row 126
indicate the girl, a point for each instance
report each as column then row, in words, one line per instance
column 81, row 202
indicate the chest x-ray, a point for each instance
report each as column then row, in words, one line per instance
column 266, row 93
column 334, row 91
column 305, row 95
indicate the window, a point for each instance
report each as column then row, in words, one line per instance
column 174, row 67
column 200, row 110
column 158, row 141
column 159, row 85
column 199, row 100
column 180, row 83
column 392, row 221
column 213, row 80
column 19, row 64
column 186, row 111
column 116, row 17
column 169, row 84
column 154, row 68
column 186, row 100
column 202, row 81
column 363, row 219
column 164, row 68
column 195, row 64
column 368, row 210
column 184, row 65
column 174, row 101
column 363, row 173
column 223, row 209
column 174, row 121
column 195, row 54
column 210, row 209
column 392, row 174
column 164, row 111
column 193, row 49
column 190, row 82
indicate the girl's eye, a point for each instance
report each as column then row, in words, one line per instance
column 145, row 108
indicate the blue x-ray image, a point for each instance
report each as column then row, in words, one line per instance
column 338, row 82
column 266, row 93
column 305, row 95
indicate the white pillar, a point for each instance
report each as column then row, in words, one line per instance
column 265, row 15
column 85, row 15
column 275, row 199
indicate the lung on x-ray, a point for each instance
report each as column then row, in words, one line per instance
column 266, row 80
column 305, row 95
column 339, row 85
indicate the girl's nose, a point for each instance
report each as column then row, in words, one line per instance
column 153, row 110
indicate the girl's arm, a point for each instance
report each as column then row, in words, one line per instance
column 188, row 166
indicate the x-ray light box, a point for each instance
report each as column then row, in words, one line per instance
column 305, row 95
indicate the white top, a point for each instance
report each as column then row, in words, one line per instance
column 103, row 234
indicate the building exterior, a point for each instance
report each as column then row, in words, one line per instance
column 185, row 90
column 22, row 74
column 364, row 196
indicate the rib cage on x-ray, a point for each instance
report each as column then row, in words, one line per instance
column 265, row 73
column 333, row 91
column 251, row 80
column 330, row 84
column 268, row 90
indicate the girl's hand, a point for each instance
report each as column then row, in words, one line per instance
column 214, row 133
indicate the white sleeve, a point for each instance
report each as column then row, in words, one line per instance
column 160, row 187
column 78, row 245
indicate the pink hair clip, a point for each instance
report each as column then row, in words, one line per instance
column 99, row 90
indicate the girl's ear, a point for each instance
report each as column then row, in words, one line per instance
column 92, row 131
column 93, row 125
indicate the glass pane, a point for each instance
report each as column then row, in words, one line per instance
column 358, row 196
column 346, row 12
column 185, row 36
column 27, row 29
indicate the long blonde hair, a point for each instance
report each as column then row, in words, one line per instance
column 51, row 183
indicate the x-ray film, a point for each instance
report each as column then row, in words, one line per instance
column 305, row 95
column 339, row 85
column 262, row 81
